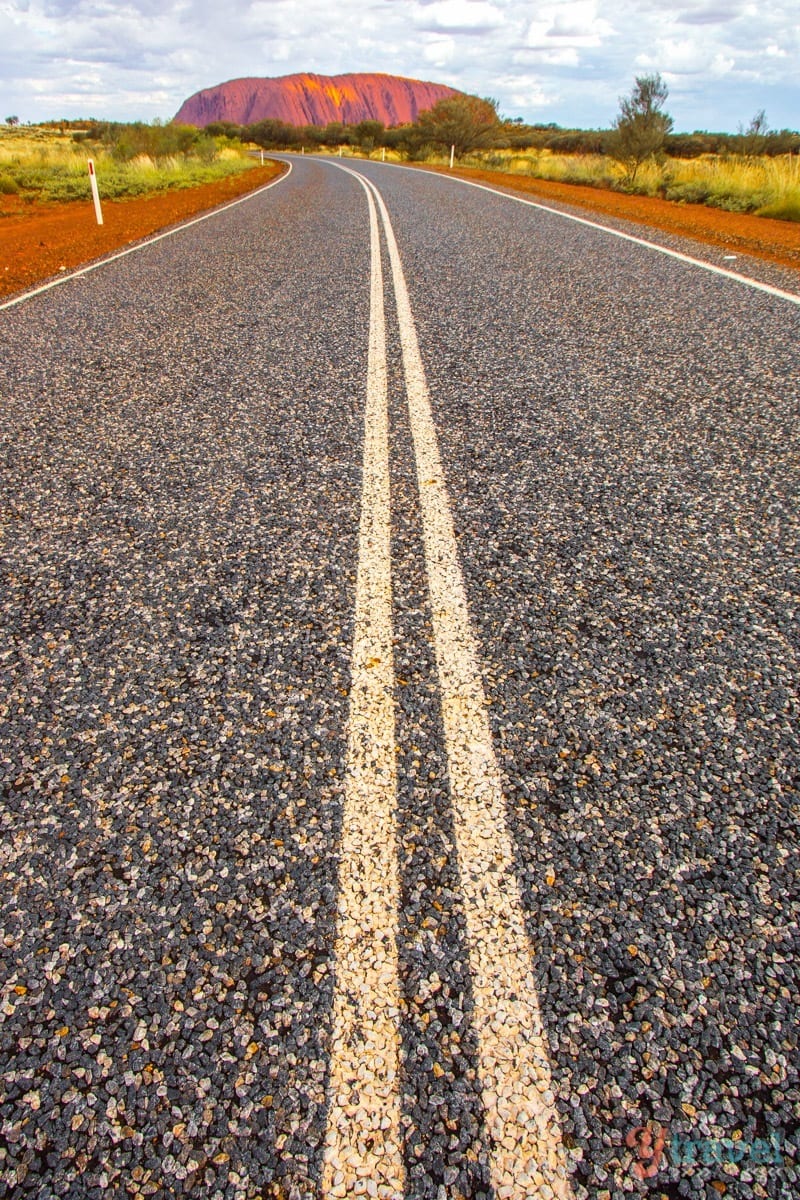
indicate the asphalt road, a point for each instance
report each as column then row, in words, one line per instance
column 442, row 845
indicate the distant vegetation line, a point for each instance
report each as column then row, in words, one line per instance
column 409, row 140
column 755, row 170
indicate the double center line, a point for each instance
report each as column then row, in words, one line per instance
column 363, row 1142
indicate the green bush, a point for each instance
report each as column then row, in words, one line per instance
column 736, row 202
column 782, row 210
column 8, row 186
column 688, row 193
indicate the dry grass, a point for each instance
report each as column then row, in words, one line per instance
column 44, row 164
column 765, row 186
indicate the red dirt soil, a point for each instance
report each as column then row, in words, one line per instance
column 37, row 241
column 776, row 241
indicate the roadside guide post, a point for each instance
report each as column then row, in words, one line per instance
column 452, row 156
column 98, row 212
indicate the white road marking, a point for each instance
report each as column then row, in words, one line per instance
column 363, row 1139
column 527, row 1157
column 158, row 237
column 792, row 297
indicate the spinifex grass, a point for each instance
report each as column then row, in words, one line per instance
column 769, row 187
column 47, row 165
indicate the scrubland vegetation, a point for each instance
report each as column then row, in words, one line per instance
column 756, row 170
column 769, row 187
column 49, row 162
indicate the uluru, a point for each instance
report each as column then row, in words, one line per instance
column 307, row 99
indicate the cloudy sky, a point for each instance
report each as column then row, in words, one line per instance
column 566, row 61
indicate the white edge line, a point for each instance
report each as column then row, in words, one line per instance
column 101, row 262
column 792, row 297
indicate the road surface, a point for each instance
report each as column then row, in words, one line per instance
column 401, row 734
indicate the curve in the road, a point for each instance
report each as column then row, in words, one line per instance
column 148, row 241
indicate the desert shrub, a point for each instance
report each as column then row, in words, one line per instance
column 66, row 187
column 641, row 127
column 128, row 141
column 464, row 122
column 691, row 192
column 8, row 186
column 782, row 210
column 738, row 202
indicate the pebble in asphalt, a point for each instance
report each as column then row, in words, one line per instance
column 180, row 488
column 622, row 456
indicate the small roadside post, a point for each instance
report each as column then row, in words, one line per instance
column 262, row 158
column 452, row 156
column 98, row 212
column 383, row 154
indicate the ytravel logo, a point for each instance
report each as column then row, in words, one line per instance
column 655, row 1149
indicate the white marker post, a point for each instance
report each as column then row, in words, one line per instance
column 383, row 154
column 98, row 212
column 262, row 158
column 452, row 156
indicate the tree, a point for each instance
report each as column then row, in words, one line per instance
column 465, row 122
column 753, row 140
column 12, row 120
column 368, row 134
column 641, row 126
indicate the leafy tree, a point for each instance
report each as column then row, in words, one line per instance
column 336, row 133
column 226, row 129
column 271, row 133
column 465, row 122
column 368, row 134
column 641, row 126
column 12, row 120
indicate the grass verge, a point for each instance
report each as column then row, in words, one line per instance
column 45, row 165
column 765, row 186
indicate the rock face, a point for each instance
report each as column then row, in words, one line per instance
column 313, row 100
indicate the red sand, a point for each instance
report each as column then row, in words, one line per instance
column 37, row 240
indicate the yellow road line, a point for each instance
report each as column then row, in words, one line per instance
column 363, row 1140
column 527, row 1155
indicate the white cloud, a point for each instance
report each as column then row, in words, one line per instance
column 709, row 13
column 568, row 59
column 575, row 23
column 685, row 57
column 458, row 16
column 439, row 51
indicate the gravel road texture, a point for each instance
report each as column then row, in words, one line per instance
column 38, row 241
column 736, row 233
column 181, row 472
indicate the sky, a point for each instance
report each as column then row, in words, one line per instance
column 562, row 61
